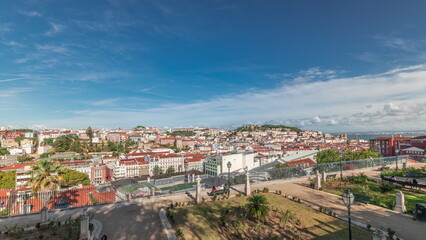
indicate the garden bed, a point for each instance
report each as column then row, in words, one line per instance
column 229, row 219
column 381, row 194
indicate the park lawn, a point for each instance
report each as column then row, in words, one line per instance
column 202, row 221
column 387, row 200
column 130, row 188
column 181, row 186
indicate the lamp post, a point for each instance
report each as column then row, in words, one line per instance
column 348, row 199
column 396, row 152
column 229, row 165
column 341, row 165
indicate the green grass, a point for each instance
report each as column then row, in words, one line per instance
column 202, row 221
column 381, row 199
column 181, row 186
column 133, row 187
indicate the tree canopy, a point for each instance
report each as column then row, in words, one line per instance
column 157, row 170
column 327, row 156
column 171, row 169
column 4, row 151
column 74, row 178
column 45, row 176
column 7, row 180
column 267, row 127
column 186, row 133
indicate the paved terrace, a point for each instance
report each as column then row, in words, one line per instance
column 139, row 219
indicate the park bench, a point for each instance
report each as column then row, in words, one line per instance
column 415, row 175
column 403, row 183
column 362, row 199
column 217, row 192
column 331, row 176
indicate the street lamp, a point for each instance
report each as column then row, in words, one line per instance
column 229, row 165
column 396, row 152
column 348, row 199
column 341, row 165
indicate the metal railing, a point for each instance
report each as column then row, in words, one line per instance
column 22, row 203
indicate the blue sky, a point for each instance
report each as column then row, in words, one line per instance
column 321, row 65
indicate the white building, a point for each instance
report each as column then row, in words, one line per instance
column 217, row 164
column 166, row 161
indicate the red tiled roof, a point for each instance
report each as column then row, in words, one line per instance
column 17, row 166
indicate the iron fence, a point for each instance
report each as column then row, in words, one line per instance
column 22, row 203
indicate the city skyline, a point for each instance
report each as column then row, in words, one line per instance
column 107, row 64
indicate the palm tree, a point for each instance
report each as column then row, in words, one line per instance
column 257, row 206
column 45, row 178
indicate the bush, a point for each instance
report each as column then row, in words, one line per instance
column 360, row 178
column 386, row 187
column 391, row 232
column 265, row 189
column 312, row 183
column 179, row 232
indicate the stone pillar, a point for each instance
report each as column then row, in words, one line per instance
column 247, row 188
column 323, row 176
column 193, row 177
column 318, row 182
column 400, row 202
column 198, row 191
column 149, row 179
column 404, row 165
column 84, row 225
column 152, row 191
column 44, row 217
column 379, row 235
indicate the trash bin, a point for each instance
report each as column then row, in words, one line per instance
column 421, row 212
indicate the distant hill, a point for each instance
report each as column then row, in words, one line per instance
column 267, row 127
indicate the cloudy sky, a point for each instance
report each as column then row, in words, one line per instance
column 321, row 65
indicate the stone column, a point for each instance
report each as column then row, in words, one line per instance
column 247, row 188
column 379, row 235
column 323, row 176
column 193, row 177
column 318, row 182
column 44, row 217
column 198, row 191
column 404, row 165
column 152, row 191
column 84, row 225
column 400, row 202
column 149, row 179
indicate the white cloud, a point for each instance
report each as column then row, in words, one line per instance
column 54, row 28
column 106, row 102
column 396, row 98
column 31, row 13
column 13, row 44
column 304, row 76
column 21, row 60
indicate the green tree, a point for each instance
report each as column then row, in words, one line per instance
column 48, row 141
column 327, row 156
column 45, row 176
column 74, row 178
column 24, row 158
column 257, row 206
column 157, row 170
column 44, row 155
column 171, row 169
column 3, row 151
column 89, row 133
column 7, row 180
column 19, row 140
